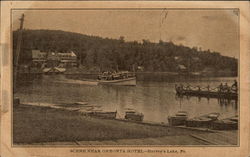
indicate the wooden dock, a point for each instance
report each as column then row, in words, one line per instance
column 205, row 92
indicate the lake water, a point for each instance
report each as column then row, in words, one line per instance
column 154, row 95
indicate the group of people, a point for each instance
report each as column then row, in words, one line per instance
column 221, row 87
column 114, row 75
column 227, row 88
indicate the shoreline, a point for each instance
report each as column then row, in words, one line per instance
column 46, row 125
column 171, row 73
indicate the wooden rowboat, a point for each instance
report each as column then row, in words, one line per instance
column 103, row 114
column 202, row 121
column 226, row 124
column 178, row 119
column 131, row 114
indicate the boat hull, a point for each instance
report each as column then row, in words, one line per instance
column 134, row 117
column 176, row 121
column 121, row 82
column 105, row 115
column 199, row 123
column 224, row 125
column 204, row 121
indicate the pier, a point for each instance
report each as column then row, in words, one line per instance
column 206, row 92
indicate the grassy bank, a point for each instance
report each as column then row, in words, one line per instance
column 33, row 124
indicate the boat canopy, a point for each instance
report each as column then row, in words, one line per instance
column 81, row 103
column 107, row 75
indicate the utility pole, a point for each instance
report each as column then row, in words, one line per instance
column 18, row 48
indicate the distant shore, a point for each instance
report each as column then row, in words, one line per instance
column 160, row 72
column 80, row 71
column 45, row 125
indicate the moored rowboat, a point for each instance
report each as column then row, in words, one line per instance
column 103, row 114
column 133, row 115
column 178, row 119
column 226, row 124
column 202, row 121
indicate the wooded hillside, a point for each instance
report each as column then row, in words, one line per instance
column 107, row 53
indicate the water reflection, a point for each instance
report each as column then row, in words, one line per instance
column 155, row 99
column 225, row 104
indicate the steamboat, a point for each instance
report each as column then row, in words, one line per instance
column 123, row 78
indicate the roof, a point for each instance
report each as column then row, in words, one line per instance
column 182, row 67
column 60, row 69
column 54, row 69
column 68, row 61
column 70, row 54
column 73, row 54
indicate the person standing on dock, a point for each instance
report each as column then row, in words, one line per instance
column 220, row 88
column 235, row 86
column 226, row 88
column 208, row 87
column 181, row 86
column 199, row 88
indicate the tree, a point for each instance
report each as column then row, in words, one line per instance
column 108, row 53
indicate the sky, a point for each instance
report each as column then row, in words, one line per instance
column 216, row 30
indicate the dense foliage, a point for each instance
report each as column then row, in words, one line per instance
column 108, row 53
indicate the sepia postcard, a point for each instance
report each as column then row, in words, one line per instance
column 125, row 78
